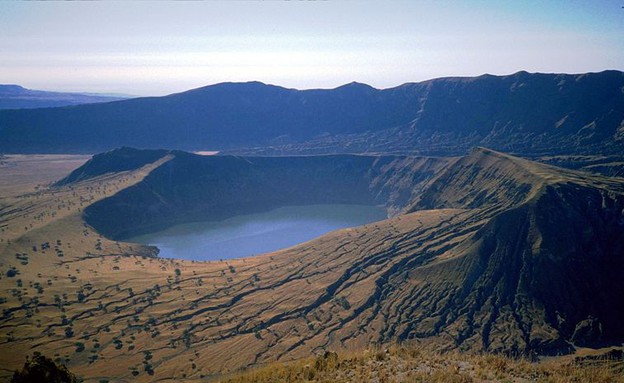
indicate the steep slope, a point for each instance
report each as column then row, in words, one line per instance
column 496, row 254
column 17, row 97
column 543, row 274
column 523, row 113
column 540, row 274
column 483, row 178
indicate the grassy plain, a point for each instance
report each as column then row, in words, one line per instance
column 23, row 173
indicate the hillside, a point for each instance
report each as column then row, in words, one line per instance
column 524, row 113
column 483, row 253
column 17, row 97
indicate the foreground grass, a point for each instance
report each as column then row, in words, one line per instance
column 403, row 364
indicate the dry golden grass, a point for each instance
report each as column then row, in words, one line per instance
column 418, row 363
column 20, row 173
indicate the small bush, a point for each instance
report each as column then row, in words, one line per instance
column 43, row 369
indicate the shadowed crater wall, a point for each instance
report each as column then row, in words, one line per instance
column 203, row 188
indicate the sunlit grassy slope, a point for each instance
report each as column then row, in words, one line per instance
column 423, row 364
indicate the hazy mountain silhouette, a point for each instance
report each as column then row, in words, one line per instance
column 523, row 113
column 17, row 97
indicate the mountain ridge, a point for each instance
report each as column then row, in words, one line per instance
column 524, row 113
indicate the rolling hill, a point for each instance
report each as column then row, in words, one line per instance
column 485, row 252
column 536, row 114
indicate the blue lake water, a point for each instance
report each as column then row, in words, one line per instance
column 254, row 234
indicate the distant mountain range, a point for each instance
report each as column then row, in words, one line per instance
column 17, row 97
column 523, row 113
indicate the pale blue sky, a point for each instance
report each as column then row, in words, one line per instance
column 155, row 48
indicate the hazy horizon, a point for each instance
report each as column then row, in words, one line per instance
column 119, row 94
column 151, row 49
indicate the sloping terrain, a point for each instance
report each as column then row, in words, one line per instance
column 17, row 97
column 522, row 113
column 487, row 252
